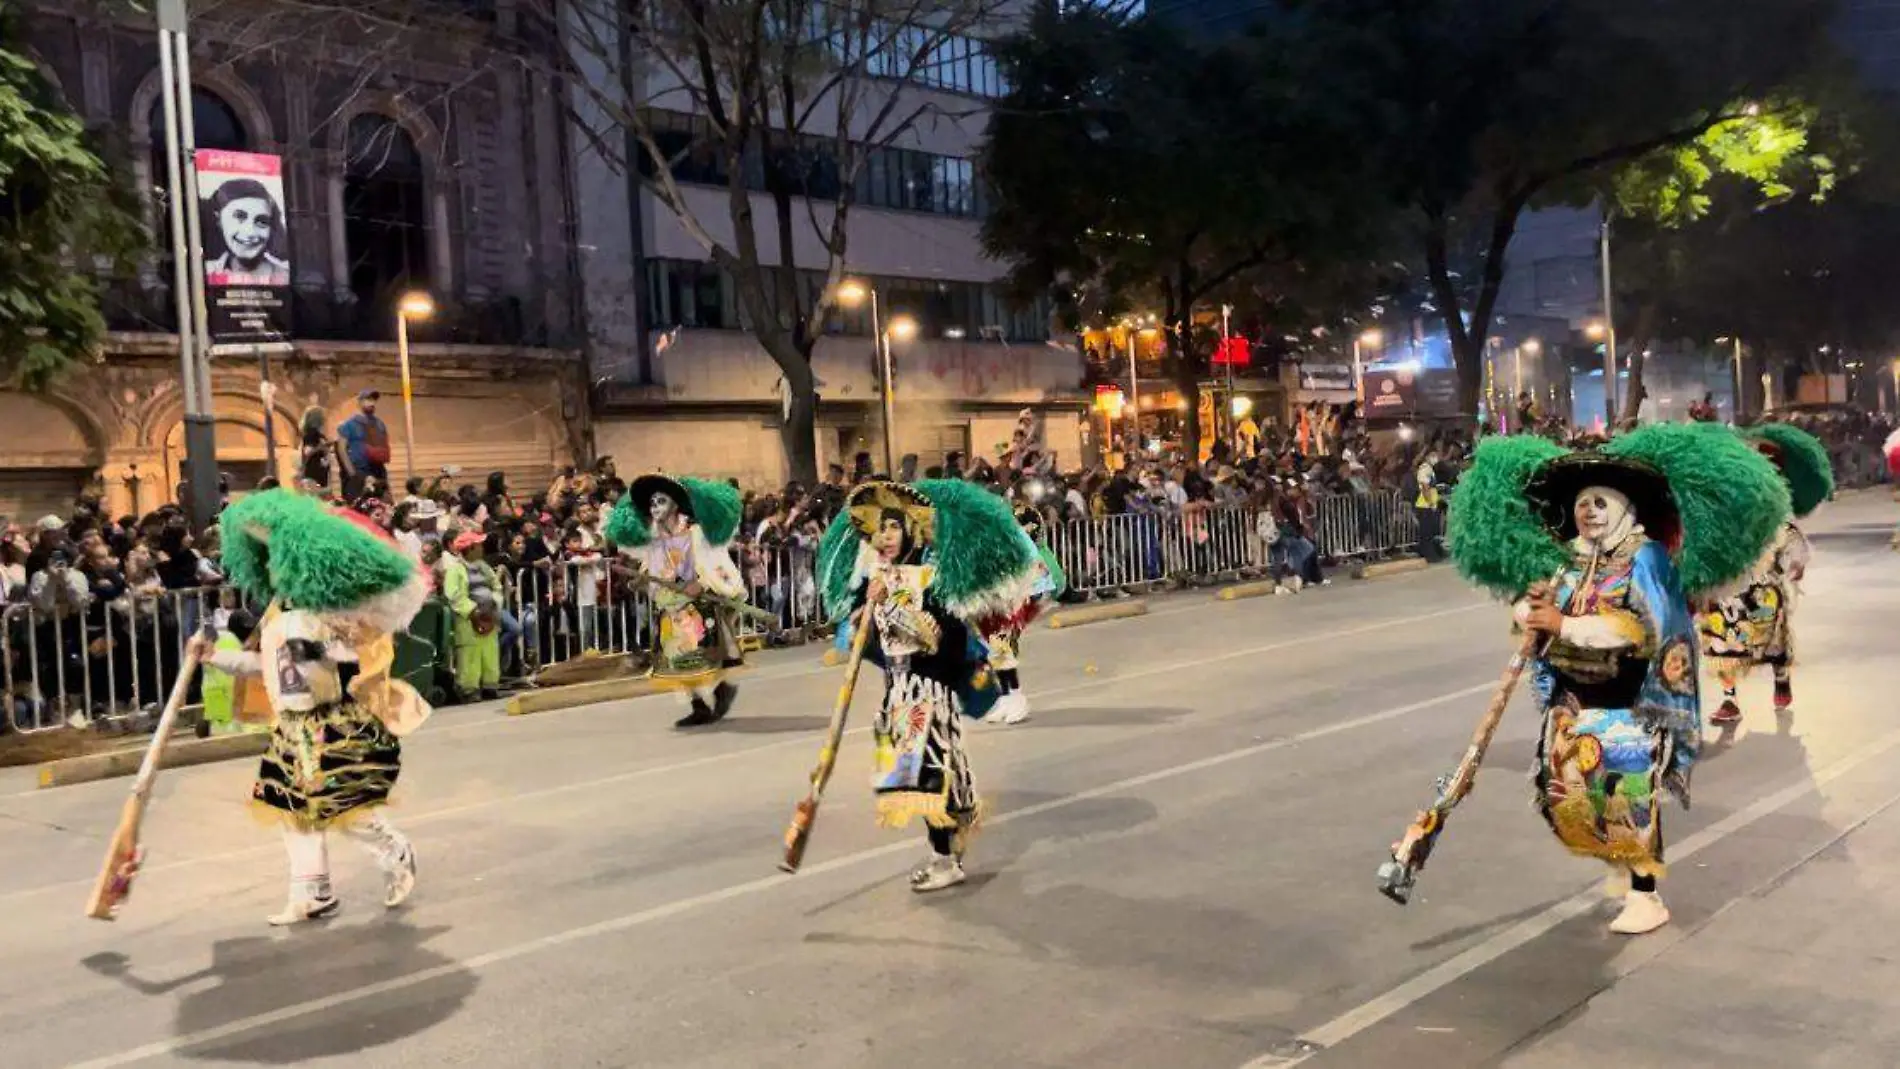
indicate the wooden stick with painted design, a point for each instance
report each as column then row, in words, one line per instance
column 798, row 835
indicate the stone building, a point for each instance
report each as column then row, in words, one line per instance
column 424, row 158
column 708, row 400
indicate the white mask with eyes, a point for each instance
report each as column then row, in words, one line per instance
column 1604, row 517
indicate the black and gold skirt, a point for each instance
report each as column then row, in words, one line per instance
column 326, row 767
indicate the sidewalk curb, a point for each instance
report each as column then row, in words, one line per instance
column 529, row 702
column 1386, row 568
column 1255, row 589
column 1083, row 615
column 90, row 768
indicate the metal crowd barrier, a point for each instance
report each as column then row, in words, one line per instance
column 81, row 664
column 75, row 662
column 1133, row 552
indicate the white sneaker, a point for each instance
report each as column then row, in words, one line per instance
column 1643, row 912
column 1011, row 708
column 1297, row 584
column 297, row 911
column 936, row 874
column 399, row 882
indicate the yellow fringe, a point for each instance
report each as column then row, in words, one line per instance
column 272, row 817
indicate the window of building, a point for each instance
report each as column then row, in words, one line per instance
column 385, row 214
column 215, row 125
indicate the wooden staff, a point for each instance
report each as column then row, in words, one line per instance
column 1398, row 875
column 125, row 855
column 798, row 835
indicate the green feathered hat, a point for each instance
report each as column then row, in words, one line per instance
column 715, row 506
column 1802, row 461
column 289, row 547
column 1696, row 488
column 983, row 563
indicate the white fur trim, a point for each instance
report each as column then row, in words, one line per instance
column 392, row 611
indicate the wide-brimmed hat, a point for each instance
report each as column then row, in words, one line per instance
column 868, row 502
column 643, row 489
column 466, row 541
column 1802, row 461
column 1553, row 494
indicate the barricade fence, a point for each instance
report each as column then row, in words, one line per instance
column 68, row 660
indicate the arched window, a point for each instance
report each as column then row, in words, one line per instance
column 215, row 124
column 385, row 213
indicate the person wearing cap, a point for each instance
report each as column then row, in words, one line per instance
column 365, row 441
column 473, row 591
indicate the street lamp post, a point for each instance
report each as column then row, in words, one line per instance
column 1233, row 422
column 1134, row 389
column 1738, row 379
column 412, row 306
column 1533, row 347
column 1369, row 339
column 1609, row 333
column 853, row 292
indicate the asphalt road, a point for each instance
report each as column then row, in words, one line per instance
column 1179, row 874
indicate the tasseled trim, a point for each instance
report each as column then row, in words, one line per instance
column 696, row 681
column 1003, row 599
column 896, row 809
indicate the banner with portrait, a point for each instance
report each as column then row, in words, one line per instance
column 246, row 236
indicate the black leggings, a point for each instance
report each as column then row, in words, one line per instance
column 942, row 840
column 1008, row 681
column 1645, row 884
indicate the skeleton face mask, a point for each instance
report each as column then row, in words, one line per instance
column 1604, row 517
column 662, row 509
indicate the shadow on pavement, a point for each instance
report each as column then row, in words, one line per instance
column 1065, row 716
column 262, row 974
column 763, row 725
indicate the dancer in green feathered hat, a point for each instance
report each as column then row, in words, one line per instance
column 937, row 562
column 1754, row 625
column 676, row 532
column 337, row 591
column 1604, row 550
column 1003, row 638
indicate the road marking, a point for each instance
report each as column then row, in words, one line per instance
column 801, row 739
column 678, row 906
column 1367, row 1014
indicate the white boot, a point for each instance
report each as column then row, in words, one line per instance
column 1643, row 912
column 1011, row 708
column 1617, row 883
column 941, row 871
column 394, row 854
column 310, row 895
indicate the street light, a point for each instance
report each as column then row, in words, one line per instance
column 414, row 305
column 851, row 293
column 1533, row 347
column 1367, row 339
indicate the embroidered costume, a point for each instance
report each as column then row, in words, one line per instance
column 323, row 658
column 1003, row 637
column 935, row 562
column 1631, row 532
column 676, row 532
column 1754, row 625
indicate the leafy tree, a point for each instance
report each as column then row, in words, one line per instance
column 1131, row 165
column 1680, row 202
column 1496, row 109
column 60, row 208
column 793, row 95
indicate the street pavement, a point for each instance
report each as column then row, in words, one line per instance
column 1178, row 873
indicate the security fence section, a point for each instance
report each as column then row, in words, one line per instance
column 68, row 660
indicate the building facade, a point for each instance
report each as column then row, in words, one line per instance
column 681, row 385
column 416, row 158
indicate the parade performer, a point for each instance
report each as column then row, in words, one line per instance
column 324, row 651
column 676, row 532
column 1004, row 636
column 1630, row 532
column 936, row 562
column 1754, row 624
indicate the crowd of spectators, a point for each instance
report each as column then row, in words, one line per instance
column 102, row 603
